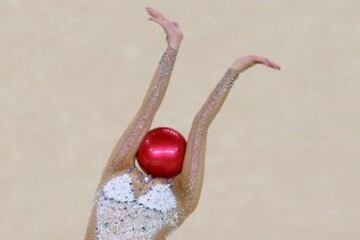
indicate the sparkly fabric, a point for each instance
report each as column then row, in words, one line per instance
column 121, row 216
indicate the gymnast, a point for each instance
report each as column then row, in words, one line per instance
column 153, row 179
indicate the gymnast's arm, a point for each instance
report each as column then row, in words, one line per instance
column 191, row 177
column 124, row 152
column 123, row 155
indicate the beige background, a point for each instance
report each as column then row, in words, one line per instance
column 283, row 153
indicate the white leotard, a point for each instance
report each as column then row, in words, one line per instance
column 121, row 216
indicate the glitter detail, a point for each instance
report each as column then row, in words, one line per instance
column 147, row 179
column 119, row 189
column 160, row 198
column 120, row 216
column 166, row 62
column 230, row 76
column 207, row 113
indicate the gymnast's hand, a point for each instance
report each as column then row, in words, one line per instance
column 174, row 35
column 133, row 203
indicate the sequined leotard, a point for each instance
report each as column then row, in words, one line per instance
column 122, row 216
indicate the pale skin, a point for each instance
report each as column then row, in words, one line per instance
column 188, row 184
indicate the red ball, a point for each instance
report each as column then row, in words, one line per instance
column 161, row 152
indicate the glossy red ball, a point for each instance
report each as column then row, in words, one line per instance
column 161, row 152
